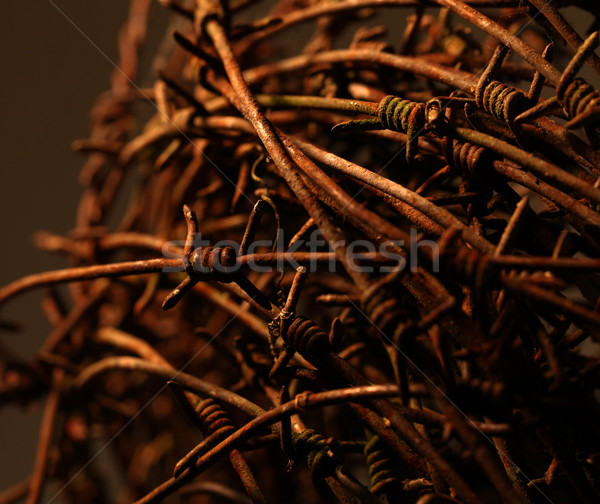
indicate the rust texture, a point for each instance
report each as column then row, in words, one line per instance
column 358, row 262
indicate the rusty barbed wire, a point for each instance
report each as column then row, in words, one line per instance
column 383, row 469
column 506, row 102
column 350, row 322
column 394, row 114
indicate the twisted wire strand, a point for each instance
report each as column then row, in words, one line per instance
column 208, row 263
column 308, row 339
column 575, row 96
column 216, row 425
column 396, row 114
column 470, row 159
column 214, row 418
column 502, row 101
column 383, row 468
column 467, row 264
column 579, row 99
column 313, row 447
column 404, row 116
column 384, row 311
column 214, row 262
column 401, row 115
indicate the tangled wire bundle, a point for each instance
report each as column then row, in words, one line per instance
column 363, row 274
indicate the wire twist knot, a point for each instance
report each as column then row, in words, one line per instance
column 308, row 339
column 214, row 262
column 214, row 418
column 315, row 449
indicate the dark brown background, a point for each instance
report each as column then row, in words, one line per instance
column 50, row 77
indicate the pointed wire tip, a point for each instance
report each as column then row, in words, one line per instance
column 191, row 47
column 167, row 305
column 181, row 39
column 359, row 125
column 281, row 362
column 284, row 395
column 179, row 469
column 299, row 278
column 544, row 108
column 190, row 217
column 260, row 205
column 343, row 126
column 548, row 53
column 586, row 118
column 262, row 301
column 170, row 301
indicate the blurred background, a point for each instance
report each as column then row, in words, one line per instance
column 51, row 76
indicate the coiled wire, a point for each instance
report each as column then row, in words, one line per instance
column 314, row 449
column 404, row 116
column 577, row 96
column 308, row 339
column 502, row 101
column 383, row 468
column 214, row 418
column 384, row 311
column 401, row 115
column 468, row 265
column 579, row 100
column 213, row 262
column 470, row 159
